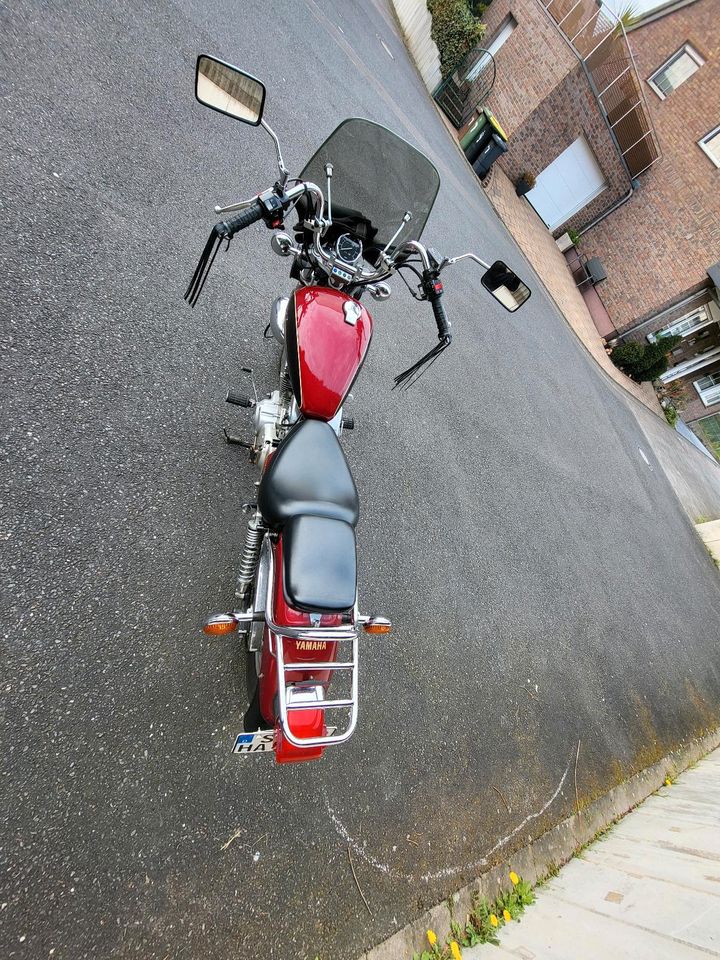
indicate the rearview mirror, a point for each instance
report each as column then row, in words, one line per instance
column 507, row 288
column 224, row 88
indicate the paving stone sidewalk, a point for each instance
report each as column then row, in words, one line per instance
column 649, row 889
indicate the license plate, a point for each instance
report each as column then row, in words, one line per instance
column 261, row 741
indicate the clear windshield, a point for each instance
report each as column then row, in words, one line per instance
column 377, row 177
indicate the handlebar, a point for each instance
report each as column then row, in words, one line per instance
column 443, row 324
column 228, row 228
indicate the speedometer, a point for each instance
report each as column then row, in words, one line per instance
column 348, row 249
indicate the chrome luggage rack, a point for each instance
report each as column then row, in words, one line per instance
column 308, row 695
column 305, row 694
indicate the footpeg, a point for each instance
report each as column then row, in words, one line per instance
column 239, row 399
column 229, row 438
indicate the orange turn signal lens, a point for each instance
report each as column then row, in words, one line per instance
column 377, row 625
column 221, row 624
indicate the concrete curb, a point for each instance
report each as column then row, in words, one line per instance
column 535, row 860
column 709, row 533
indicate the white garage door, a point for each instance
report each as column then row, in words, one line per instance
column 570, row 182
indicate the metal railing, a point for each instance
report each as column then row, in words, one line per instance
column 460, row 95
column 597, row 38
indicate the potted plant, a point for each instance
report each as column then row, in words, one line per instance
column 524, row 183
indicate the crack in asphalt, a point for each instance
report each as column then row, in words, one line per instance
column 452, row 871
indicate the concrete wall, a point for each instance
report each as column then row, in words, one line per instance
column 416, row 23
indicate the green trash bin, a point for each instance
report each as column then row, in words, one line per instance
column 480, row 134
column 474, row 131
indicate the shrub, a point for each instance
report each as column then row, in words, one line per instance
column 574, row 237
column 644, row 361
column 671, row 415
column 455, row 30
column 528, row 177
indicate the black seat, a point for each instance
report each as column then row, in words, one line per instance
column 308, row 476
column 319, row 564
column 308, row 492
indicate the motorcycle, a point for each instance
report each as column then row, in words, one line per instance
column 297, row 607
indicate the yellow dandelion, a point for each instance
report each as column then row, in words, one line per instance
column 432, row 939
column 668, row 781
column 494, row 920
column 507, row 916
column 455, row 950
column 514, row 878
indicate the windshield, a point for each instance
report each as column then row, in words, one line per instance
column 377, row 177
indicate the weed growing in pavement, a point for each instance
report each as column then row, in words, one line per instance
column 482, row 923
column 552, row 871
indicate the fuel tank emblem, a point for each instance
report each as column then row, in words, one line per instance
column 352, row 311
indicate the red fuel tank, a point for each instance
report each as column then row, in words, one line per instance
column 327, row 334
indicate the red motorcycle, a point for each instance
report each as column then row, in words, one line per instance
column 297, row 609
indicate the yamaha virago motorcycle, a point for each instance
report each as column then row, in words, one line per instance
column 297, row 607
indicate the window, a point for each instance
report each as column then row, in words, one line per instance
column 679, row 68
column 506, row 28
column 710, row 144
column 708, row 429
column 709, row 389
column 698, row 318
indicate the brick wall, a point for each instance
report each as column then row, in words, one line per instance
column 530, row 64
column 659, row 244
column 568, row 112
column 543, row 100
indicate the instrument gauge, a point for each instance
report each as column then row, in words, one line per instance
column 348, row 249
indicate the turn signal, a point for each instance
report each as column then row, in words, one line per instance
column 377, row 625
column 220, row 624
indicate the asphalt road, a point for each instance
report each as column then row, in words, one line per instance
column 544, row 583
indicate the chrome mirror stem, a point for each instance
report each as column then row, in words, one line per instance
column 281, row 165
column 328, row 174
column 466, row 256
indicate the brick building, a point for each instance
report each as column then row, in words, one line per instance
column 622, row 131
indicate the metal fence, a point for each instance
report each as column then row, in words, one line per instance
column 460, row 95
column 598, row 39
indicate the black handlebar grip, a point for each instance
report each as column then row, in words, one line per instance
column 443, row 324
column 228, row 228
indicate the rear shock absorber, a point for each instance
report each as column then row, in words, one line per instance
column 286, row 390
column 250, row 557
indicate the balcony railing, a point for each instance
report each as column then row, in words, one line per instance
column 598, row 39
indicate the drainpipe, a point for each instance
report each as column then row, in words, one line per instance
column 634, row 184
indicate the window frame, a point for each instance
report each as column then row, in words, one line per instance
column 686, row 48
column 509, row 21
column 701, row 316
column 710, row 394
column 715, row 132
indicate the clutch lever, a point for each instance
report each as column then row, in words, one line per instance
column 240, row 205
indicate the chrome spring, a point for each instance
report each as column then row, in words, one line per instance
column 285, row 383
column 250, row 556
